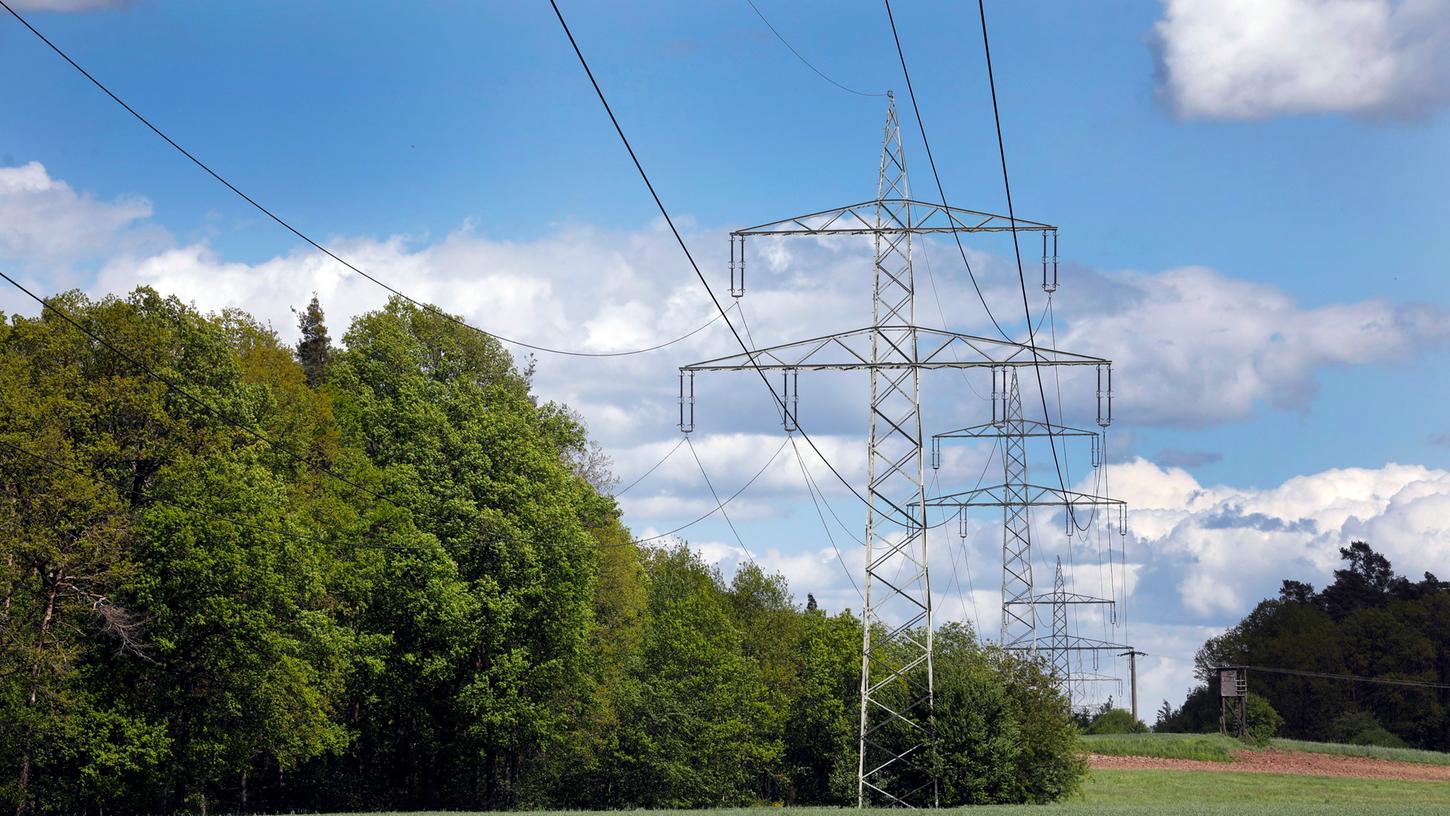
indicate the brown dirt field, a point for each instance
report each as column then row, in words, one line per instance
column 1285, row 762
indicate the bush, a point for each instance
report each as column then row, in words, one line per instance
column 1005, row 734
column 1116, row 721
column 1361, row 728
column 1263, row 721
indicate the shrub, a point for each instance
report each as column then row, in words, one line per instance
column 1361, row 728
column 1263, row 721
column 1005, row 734
column 1116, row 721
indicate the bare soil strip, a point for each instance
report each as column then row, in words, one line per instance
column 1285, row 762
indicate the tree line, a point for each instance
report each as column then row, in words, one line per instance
column 241, row 576
column 1368, row 622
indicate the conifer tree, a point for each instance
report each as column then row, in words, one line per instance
column 315, row 347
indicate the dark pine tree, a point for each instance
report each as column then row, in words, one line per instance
column 315, row 347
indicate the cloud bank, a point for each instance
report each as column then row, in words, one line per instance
column 44, row 221
column 1253, row 59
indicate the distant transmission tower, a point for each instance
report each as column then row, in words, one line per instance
column 1017, row 496
column 896, row 655
column 1062, row 645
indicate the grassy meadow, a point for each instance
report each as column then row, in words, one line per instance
column 1113, row 792
column 1182, row 793
column 1219, row 748
column 1371, row 751
column 1205, row 747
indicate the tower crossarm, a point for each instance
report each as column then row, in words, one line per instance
column 1071, row 644
column 935, row 348
column 1082, row 644
column 1028, row 494
column 906, row 216
column 1030, row 427
column 1093, row 677
column 1068, row 598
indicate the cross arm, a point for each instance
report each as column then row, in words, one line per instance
column 1035, row 496
column 906, row 347
column 894, row 215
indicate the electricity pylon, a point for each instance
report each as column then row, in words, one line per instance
column 1017, row 496
column 1062, row 645
column 897, row 684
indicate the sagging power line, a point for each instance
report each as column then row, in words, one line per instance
column 309, row 240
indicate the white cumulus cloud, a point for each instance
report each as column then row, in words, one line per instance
column 1227, row 547
column 1194, row 347
column 1250, row 59
column 44, row 221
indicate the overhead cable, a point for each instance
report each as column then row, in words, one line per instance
column 323, row 249
column 618, row 129
column 810, row 488
column 720, row 504
column 804, row 61
column 1385, row 681
column 174, row 387
column 931, row 160
column 1017, row 250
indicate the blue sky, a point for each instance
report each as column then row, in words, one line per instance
column 1253, row 228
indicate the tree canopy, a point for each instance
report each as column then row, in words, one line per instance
column 1368, row 622
column 386, row 575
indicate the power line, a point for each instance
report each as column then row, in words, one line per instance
column 824, row 526
column 829, row 509
column 1012, row 219
column 719, row 504
column 804, row 61
column 652, row 468
column 212, row 410
column 1351, row 677
column 931, row 160
column 618, row 129
column 1017, row 250
column 318, row 246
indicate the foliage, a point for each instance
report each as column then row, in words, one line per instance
column 1004, row 732
column 1361, row 728
column 384, row 574
column 1368, row 622
column 314, row 350
column 1261, row 721
column 1115, row 721
column 1202, row 747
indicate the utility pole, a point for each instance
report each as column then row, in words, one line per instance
column 897, row 684
column 1133, row 655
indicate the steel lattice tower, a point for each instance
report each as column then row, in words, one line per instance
column 1019, row 614
column 1057, row 653
column 897, row 681
column 897, row 591
column 1016, row 495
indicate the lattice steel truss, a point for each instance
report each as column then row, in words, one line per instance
column 896, row 655
column 1062, row 644
column 1016, row 496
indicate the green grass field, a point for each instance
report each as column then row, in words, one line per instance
column 1206, row 747
column 1198, row 793
column 1218, row 748
column 1180, row 793
column 1373, row 751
